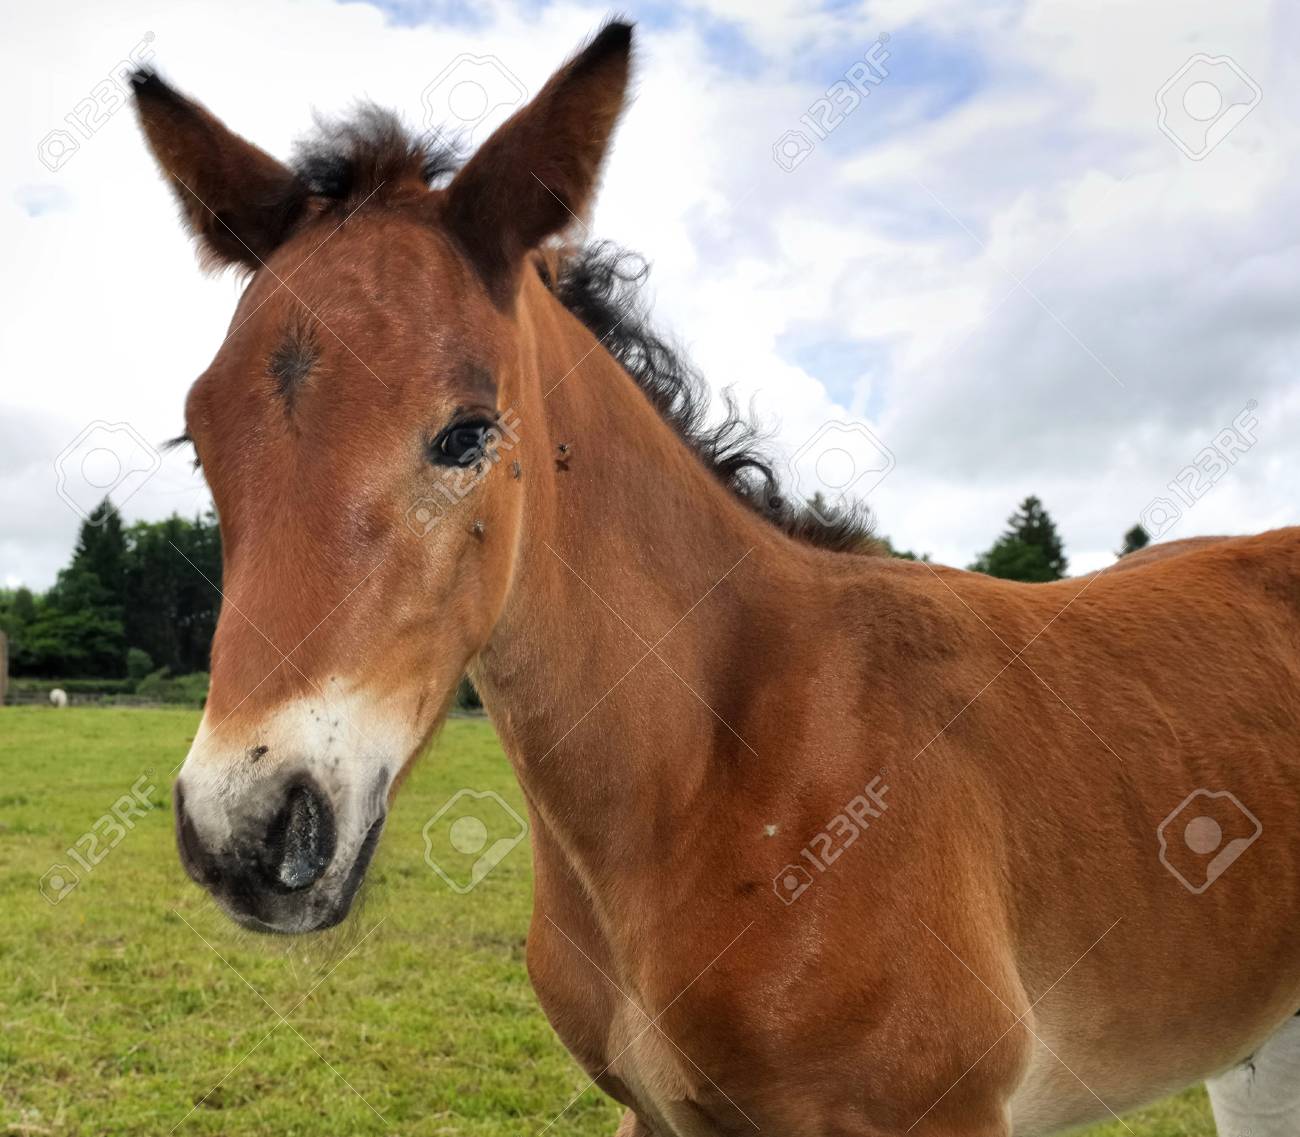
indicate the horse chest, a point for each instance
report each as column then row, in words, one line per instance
column 622, row 1047
column 619, row 1045
column 656, row 1075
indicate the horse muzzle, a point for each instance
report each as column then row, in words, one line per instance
column 281, row 857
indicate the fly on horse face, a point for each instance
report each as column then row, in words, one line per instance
column 1036, row 848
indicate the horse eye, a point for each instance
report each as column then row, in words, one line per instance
column 462, row 444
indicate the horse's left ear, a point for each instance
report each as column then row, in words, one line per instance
column 238, row 201
column 539, row 169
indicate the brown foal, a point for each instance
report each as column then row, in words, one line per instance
column 826, row 843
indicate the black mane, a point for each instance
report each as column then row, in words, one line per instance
column 600, row 284
column 351, row 160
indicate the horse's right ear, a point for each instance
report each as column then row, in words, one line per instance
column 237, row 201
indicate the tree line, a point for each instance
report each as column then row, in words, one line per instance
column 141, row 601
column 132, row 602
column 1030, row 549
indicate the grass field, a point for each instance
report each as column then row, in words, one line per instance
column 132, row 1006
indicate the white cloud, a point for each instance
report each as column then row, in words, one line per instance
column 896, row 235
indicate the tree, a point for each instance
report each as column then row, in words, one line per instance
column 17, row 610
column 138, row 664
column 77, row 630
column 101, row 549
column 1032, row 525
column 151, row 588
column 1012, row 559
column 24, row 606
column 172, row 579
column 1135, row 539
column 901, row 554
column 1030, row 549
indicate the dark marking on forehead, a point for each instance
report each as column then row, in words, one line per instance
column 478, row 381
column 293, row 359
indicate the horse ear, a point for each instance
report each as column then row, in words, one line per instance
column 237, row 201
column 538, row 171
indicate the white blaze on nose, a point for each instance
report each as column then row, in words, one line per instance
column 348, row 743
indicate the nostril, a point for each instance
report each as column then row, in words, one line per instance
column 300, row 843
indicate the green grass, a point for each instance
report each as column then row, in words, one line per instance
column 117, row 1018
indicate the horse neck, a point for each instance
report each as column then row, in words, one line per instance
column 640, row 590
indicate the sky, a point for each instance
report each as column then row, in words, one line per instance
column 952, row 253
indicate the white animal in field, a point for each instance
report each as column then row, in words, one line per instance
column 58, row 697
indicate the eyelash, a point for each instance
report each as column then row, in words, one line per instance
column 184, row 439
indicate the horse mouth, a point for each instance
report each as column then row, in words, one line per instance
column 317, row 909
column 357, row 873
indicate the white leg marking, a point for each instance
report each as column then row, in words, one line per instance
column 1262, row 1098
